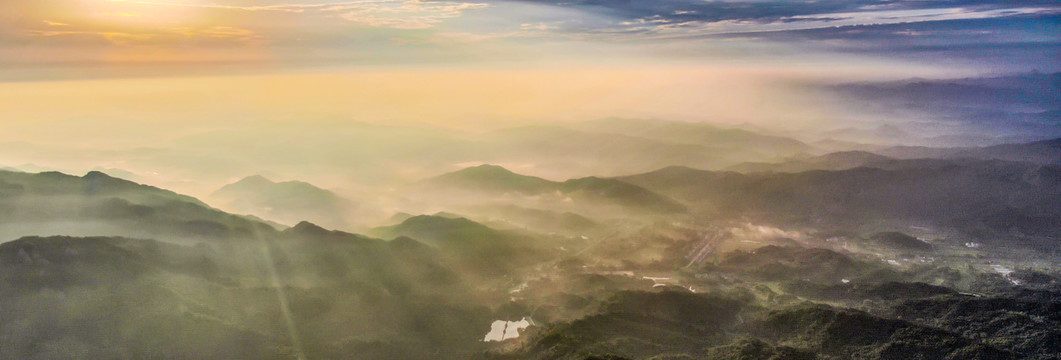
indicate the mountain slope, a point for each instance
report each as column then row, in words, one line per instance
column 1042, row 152
column 833, row 161
column 594, row 191
column 621, row 193
column 978, row 197
column 675, row 325
column 566, row 152
column 103, row 297
column 287, row 202
column 698, row 133
column 493, row 178
column 477, row 246
column 97, row 204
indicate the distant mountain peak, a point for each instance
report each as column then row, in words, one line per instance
column 286, row 201
column 592, row 188
column 678, row 168
column 311, row 229
column 96, row 174
column 254, row 180
column 891, row 130
column 487, row 169
column 406, row 243
column 437, row 219
column 308, row 228
column 1054, row 143
column 492, row 177
column 486, row 166
column 852, row 155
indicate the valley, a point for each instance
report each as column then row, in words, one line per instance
column 866, row 262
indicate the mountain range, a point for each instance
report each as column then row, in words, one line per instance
column 845, row 255
column 592, row 190
column 287, row 202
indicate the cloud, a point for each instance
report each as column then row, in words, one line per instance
column 539, row 26
column 768, row 11
column 1025, row 42
column 380, row 31
column 294, row 8
column 660, row 26
column 407, row 14
column 397, row 14
column 1026, row 105
column 998, row 37
column 116, row 38
column 225, row 34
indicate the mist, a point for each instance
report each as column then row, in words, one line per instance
column 525, row 180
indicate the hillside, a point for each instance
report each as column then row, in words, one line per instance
column 559, row 150
column 479, row 247
column 833, row 161
column 593, row 191
column 1042, row 152
column 53, row 203
column 493, row 178
column 696, row 326
column 698, row 133
column 978, row 197
column 287, row 202
column 221, row 301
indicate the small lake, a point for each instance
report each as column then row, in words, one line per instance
column 501, row 330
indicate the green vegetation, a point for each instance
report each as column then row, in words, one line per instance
column 289, row 201
column 890, row 259
column 591, row 190
column 96, row 204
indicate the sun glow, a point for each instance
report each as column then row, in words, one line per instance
column 146, row 14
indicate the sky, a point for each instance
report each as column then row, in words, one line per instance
column 189, row 94
column 126, row 70
column 92, row 38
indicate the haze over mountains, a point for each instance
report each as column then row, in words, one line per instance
column 530, row 180
column 288, row 202
column 596, row 192
column 853, row 254
column 606, row 239
column 52, row 203
column 355, row 159
column 1013, row 108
